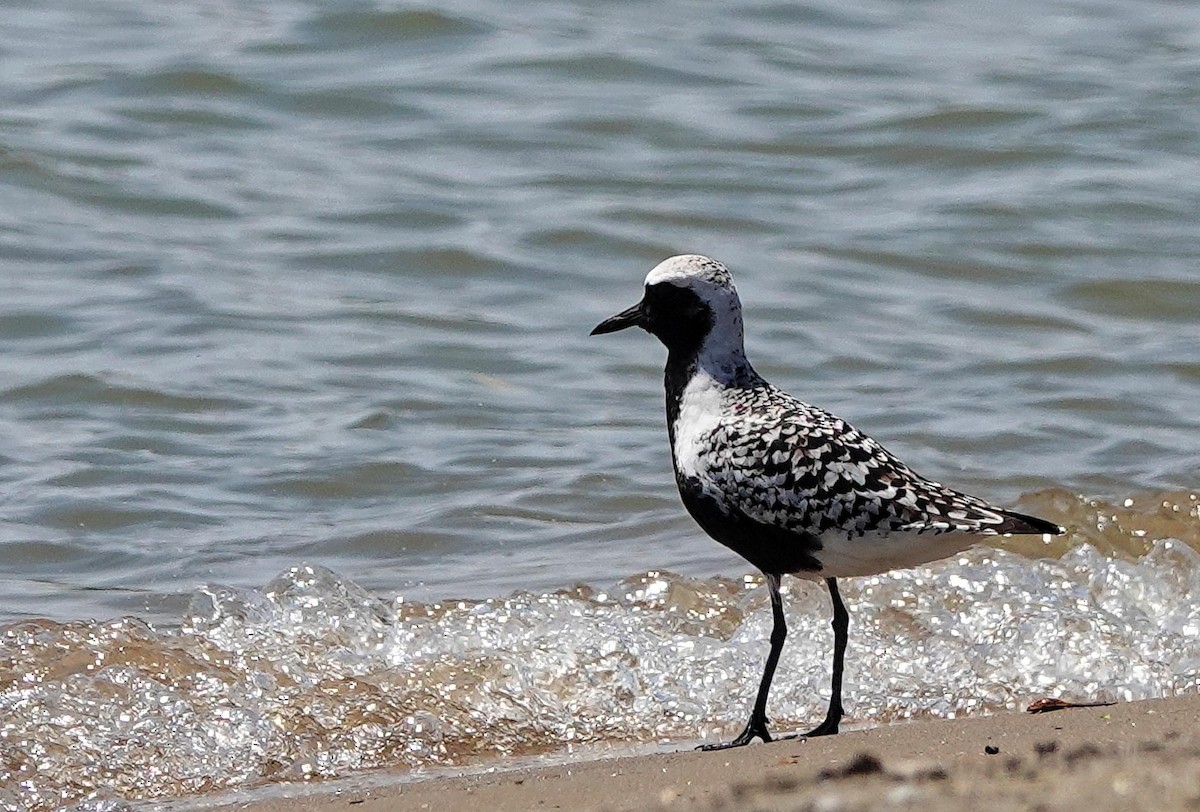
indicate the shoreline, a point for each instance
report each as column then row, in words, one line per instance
column 1094, row 758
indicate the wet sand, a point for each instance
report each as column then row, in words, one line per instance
column 1143, row 755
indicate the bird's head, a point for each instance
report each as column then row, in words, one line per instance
column 690, row 305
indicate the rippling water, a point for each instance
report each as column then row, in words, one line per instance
column 289, row 282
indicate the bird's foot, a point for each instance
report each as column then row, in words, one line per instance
column 827, row 728
column 756, row 727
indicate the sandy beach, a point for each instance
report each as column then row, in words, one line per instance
column 1138, row 755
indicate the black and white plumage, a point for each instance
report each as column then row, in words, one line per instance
column 789, row 486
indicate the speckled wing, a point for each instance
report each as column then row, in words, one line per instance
column 782, row 463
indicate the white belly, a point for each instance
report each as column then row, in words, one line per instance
column 874, row 553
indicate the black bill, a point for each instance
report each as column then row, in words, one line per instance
column 633, row 317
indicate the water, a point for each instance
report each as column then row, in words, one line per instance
column 290, row 284
column 314, row 677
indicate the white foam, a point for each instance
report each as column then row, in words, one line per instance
column 313, row 676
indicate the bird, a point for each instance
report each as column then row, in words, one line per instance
column 792, row 488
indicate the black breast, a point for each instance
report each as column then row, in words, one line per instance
column 770, row 548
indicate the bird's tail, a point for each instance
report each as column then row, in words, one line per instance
column 1021, row 523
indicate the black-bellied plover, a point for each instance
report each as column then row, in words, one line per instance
column 790, row 487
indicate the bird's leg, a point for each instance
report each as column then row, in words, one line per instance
column 841, row 628
column 757, row 726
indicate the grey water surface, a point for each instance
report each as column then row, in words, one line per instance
column 296, row 281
